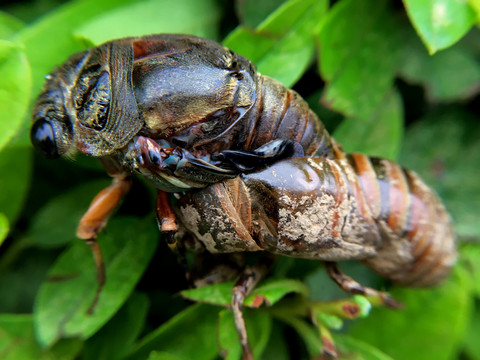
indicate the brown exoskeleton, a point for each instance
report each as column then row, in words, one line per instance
column 250, row 161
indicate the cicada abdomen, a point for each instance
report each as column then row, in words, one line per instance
column 354, row 208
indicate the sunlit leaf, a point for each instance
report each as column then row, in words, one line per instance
column 15, row 87
column 440, row 23
column 283, row 45
column 154, row 17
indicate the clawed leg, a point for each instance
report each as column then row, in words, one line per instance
column 351, row 286
column 167, row 221
column 247, row 281
column 95, row 219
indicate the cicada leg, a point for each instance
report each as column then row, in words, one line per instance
column 173, row 169
column 167, row 221
column 351, row 286
column 95, row 219
column 247, row 281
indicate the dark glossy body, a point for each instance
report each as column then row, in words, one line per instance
column 186, row 113
column 190, row 93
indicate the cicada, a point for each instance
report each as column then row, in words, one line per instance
column 252, row 166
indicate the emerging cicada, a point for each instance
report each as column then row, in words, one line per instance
column 253, row 167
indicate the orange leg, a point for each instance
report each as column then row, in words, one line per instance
column 95, row 219
column 167, row 221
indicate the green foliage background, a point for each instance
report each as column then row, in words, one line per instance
column 394, row 79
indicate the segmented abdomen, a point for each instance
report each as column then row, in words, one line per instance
column 410, row 218
column 350, row 208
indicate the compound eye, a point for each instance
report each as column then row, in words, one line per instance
column 43, row 138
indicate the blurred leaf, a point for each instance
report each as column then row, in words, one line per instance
column 22, row 272
column 122, row 330
column 440, row 23
column 15, row 88
column 283, row 45
column 160, row 355
column 252, row 12
column 18, row 343
column 15, row 167
column 353, row 349
column 450, row 75
column 63, row 300
column 472, row 345
column 470, row 259
column 475, row 4
column 269, row 292
column 47, row 231
column 259, row 326
column 153, row 17
column 4, row 227
column 379, row 135
column 432, row 325
column 199, row 342
column 444, row 148
column 353, row 41
column 9, row 25
column 49, row 41
column 276, row 348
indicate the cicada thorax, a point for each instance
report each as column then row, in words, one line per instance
column 343, row 209
column 281, row 113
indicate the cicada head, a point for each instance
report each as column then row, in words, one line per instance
column 87, row 104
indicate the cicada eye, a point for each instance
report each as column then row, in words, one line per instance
column 43, row 138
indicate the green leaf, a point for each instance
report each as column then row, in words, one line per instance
column 259, row 326
column 269, row 292
column 444, row 149
column 379, row 135
column 15, row 88
column 475, row 4
column 273, row 290
column 61, row 306
column 15, row 167
column 49, row 41
column 353, row 43
column 472, row 345
column 215, row 294
column 353, row 349
column 4, row 227
column 252, row 12
column 121, row 330
column 470, row 259
column 199, row 342
column 17, row 341
column 450, row 75
column 440, row 23
column 432, row 325
column 47, row 231
column 283, row 45
column 153, row 17
column 9, row 25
